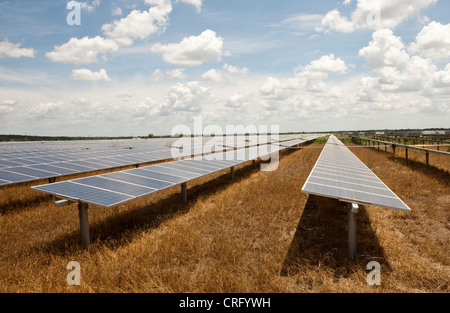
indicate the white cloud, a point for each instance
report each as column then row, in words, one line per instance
column 299, row 24
column 185, row 98
column 7, row 106
column 402, row 79
column 82, row 51
column 139, row 24
column 225, row 75
column 193, row 50
column 307, row 90
column 8, row 49
column 117, row 11
column 8, row 102
column 327, row 64
column 196, row 3
column 334, row 21
column 235, row 101
column 86, row 74
column 177, row 73
column 235, row 70
column 433, row 41
column 370, row 14
column 46, row 110
column 89, row 6
column 385, row 49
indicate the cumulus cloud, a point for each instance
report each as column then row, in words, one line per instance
column 139, row 24
column 334, row 21
column 307, row 89
column 193, row 50
column 196, row 3
column 225, row 75
column 86, row 74
column 89, row 5
column 10, row 50
column 327, row 64
column 117, row 11
column 46, row 109
column 187, row 97
column 176, row 73
column 136, row 25
column 400, row 78
column 375, row 15
column 385, row 49
column 82, row 51
column 8, row 102
column 433, row 41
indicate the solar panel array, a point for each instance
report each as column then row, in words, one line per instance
column 24, row 162
column 339, row 174
column 111, row 189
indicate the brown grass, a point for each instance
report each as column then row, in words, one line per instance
column 258, row 233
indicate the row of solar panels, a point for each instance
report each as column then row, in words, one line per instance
column 115, row 188
column 35, row 165
column 339, row 174
column 19, row 150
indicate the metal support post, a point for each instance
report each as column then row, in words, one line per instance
column 184, row 192
column 84, row 224
column 352, row 211
column 232, row 172
column 428, row 158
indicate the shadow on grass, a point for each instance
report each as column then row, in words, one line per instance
column 321, row 240
column 119, row 230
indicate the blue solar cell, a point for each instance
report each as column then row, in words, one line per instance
column 148, row 172
column 31, row 172
column 174, row 172
column 139, row 180
column 15, row 178
column 115, row 186
column 71, row 166
column 4, row 182
column 22, row 161
column 54, row 169
column 4, row 163
column 186, row 168
column 206, row 164
column 74, row 191
column 89, row 165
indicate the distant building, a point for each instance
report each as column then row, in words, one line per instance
column 379, row 133
column 433, row 132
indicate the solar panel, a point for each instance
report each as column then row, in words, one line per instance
column 138, row 180
column 54, row 169
column 187, row 168
column 14, row 177
column 174, row 172
column 88, row 194
column 151, row 173
column 110, row 184
column 339, row 174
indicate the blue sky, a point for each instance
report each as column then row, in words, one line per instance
column 140, row 67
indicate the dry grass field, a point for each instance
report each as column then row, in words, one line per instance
column 258, row 233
